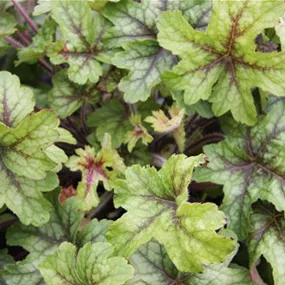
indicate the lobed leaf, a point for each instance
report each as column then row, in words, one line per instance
column 135, row 30
column 249, row 163
column 157, row 207
column 222, row 65
column 95, row 264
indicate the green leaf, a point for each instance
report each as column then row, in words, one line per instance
column 22, row 273
column 95, row 264
column 106, row 165
column 42, row 242
column 37, row 48
column 7, row 24
column 139, row 132
column 135, row 30
column 221, row 65
column 42, row 7
column 249, row 163
column 18, row 190
column 11, row 93
column 157, row 207
column 67, row 97
column 153, row 266
column 27, row 150
column 81, row 42
column 95, row 231
column 146, row 61
column 112, row 118
column 280, row 31
column 267, row 239
column 5, row 258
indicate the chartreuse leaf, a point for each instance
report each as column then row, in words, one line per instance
column 37, row 48
column 112, row 118
column 95, row 264
column 67, row 97
column 98, row 5
column 42, row 7
column 27, row 152
column 157, row 207
column 221, row 65
column 249, row 163
column 153, row 266
column 162, row 124
column 106, row 165
column 135, row 30
column 139, row 132
column 44, row 241
column 80, row 45
column 267, row 239
column 11, row 93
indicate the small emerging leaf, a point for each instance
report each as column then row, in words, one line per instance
column 105, row 166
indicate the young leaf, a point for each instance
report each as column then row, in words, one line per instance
column 112, row 118
column 135, row 30
column 153, row 266
column 138, row 132
column 67, row 97
column 95, row 264
column 157, row 207
column 250, row 165
column 162, row 124
column 81, row 44
column 105, row 166
column 7, row 24
column 221, row 65
column 267, row 239
column 37, row 48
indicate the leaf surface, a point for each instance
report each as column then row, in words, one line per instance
column 222, row 65
column 267, row 239
column 157, row 207
column 105, row 165
column 60, row 268
column 81, row 42
column 249, row 163
column 135, row 30
column 153, row 266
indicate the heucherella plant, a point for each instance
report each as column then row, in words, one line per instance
column 142, row 142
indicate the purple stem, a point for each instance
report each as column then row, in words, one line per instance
column 42, row 61
column 13, row 42
column 23, row 38
column 24, row 14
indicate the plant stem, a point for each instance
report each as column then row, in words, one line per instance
column 42, row 61
column 25, row 15
column 255, row 277
column 104, row 200
column 23, row 38
column 13, row 42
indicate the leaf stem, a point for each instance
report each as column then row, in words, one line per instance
column 23, row 38
column 42, row 61
column 25, row 15
column 13, row 42
column 255, row 277
column 104, row 200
